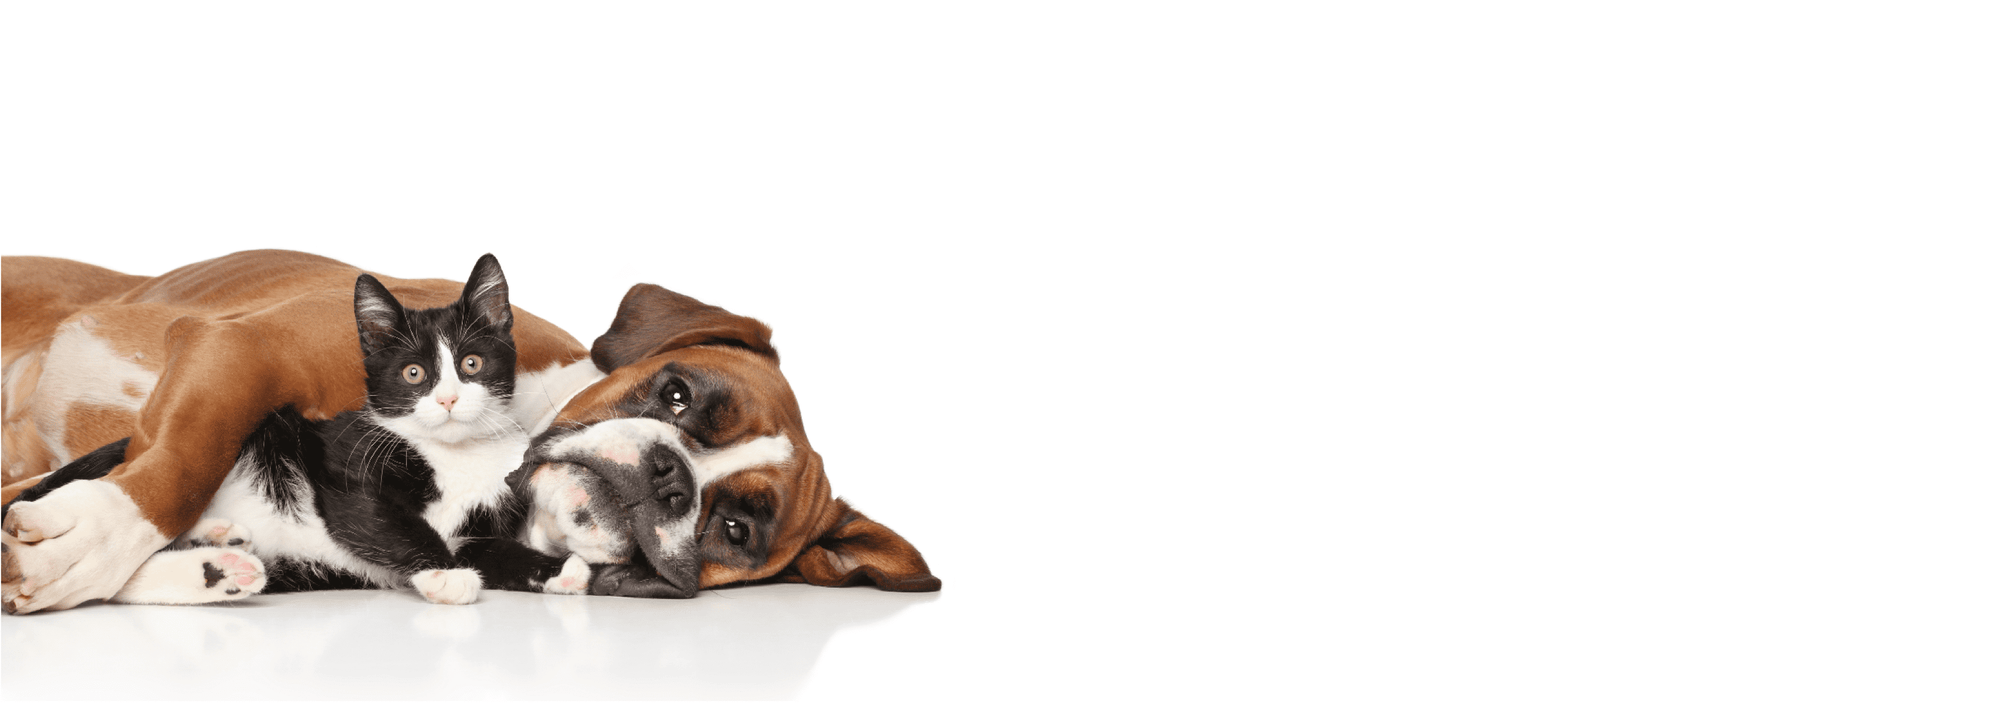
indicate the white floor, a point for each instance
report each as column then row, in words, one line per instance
column 757, row 642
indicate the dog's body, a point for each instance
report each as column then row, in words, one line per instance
column 188, row 362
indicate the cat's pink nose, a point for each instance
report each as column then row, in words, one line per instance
column 447, row 401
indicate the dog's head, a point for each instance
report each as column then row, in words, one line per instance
column 688, row 466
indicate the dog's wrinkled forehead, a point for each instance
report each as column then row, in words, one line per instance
column 624, row 442
column 642, row 445
column 716, row 397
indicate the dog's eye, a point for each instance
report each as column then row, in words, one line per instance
column 413, row 374
column 471, row 364
column 738, row 532
column 677, row 400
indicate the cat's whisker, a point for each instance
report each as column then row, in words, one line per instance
column 485, row 420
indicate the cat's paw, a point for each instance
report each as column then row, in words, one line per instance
column 574, row 579
column 447, row 586
column 194, row 576
column 219, row 532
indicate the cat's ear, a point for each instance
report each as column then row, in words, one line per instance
column 486, row 293
column 377, row 314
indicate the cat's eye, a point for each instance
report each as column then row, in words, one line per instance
column 413, row 374
column 738, row 532
column 470, row 364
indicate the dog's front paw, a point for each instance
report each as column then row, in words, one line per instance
column 80, row 542
column 447, row 586
column 574, row 579
column 219, row 532
column 193, row 577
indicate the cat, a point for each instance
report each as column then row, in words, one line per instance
column 409, row 491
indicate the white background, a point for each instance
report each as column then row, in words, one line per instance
column 1383, row 352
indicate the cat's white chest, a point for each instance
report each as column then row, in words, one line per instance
column 469, row 475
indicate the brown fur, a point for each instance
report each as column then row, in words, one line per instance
column 26, row 454
column 39, row 294
column 88, row 426
column 42, row 291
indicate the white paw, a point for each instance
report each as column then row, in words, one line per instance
column 574, row 579
column 448, row 586
column 194, row 576
column 219, row 532
column 79, row 543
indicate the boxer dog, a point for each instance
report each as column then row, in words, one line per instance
column 695, row 416
column 672, row 452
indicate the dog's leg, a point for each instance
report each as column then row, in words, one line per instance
column 84, row 540
column 79, row 543
column 194, row 576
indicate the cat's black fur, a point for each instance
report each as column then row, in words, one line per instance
column 91, row 466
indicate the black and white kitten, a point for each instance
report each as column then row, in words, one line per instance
column 409, row 491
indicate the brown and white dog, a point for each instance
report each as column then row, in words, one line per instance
column 715, row 486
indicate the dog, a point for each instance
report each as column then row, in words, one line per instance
column 671, row 452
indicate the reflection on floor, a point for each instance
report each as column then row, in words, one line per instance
column 756, row 642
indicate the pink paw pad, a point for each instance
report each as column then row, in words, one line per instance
column 240, row 573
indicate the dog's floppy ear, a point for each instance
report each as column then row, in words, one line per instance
column 652, row 320
column 858, row 550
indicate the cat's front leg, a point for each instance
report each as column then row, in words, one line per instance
column 394, row 536
column 217, row 532
column 509, row 565
column 448, row 586
column 193, row 577
column 574, row 579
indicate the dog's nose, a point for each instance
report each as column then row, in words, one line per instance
column 672, row 484
column 447, row 401
column 665, row 464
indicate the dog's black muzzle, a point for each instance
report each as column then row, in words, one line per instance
column 646, row 467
